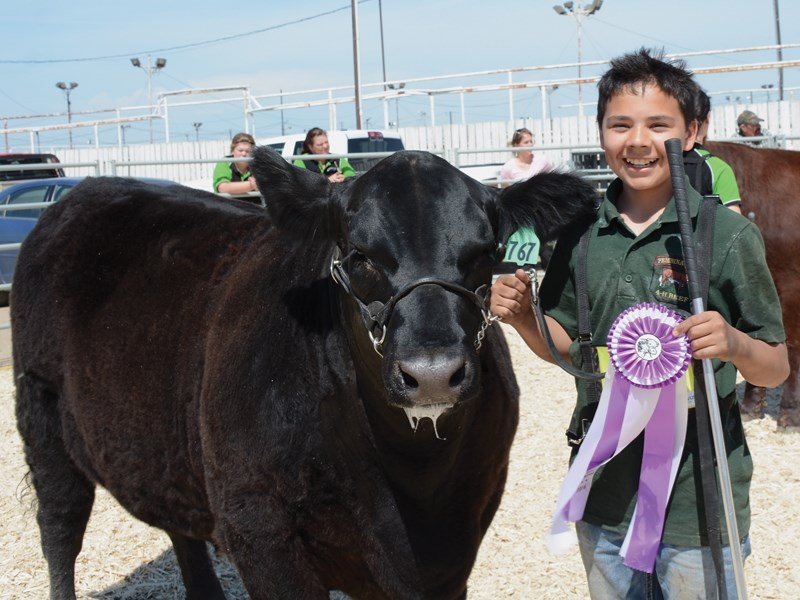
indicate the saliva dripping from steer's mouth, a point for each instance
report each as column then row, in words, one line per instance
column 431, row 411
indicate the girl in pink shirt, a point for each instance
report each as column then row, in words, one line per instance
column 525, row 163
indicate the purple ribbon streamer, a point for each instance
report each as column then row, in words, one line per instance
column 606, row 446
column 654, row 485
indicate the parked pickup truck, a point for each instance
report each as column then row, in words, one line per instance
column 10, row 176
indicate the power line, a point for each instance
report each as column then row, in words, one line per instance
column 182, row 47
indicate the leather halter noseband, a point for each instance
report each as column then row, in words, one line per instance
column 377, row 314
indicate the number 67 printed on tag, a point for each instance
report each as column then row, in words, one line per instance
column 523, row 247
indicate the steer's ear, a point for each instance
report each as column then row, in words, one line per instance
column 299, row 201
column 548, row 202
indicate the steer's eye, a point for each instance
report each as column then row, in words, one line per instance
column 366, row 278
column 478, row 265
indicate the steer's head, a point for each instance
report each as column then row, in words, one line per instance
column 415, row 243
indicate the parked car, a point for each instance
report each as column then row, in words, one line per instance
column 11, row 176
column 347, row 142
column 15, row 225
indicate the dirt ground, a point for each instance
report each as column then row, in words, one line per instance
column 123, row 559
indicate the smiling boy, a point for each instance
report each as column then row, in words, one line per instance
column 635, row 256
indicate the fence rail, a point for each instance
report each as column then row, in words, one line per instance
column 462, row 158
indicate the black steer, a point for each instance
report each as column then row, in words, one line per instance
column 195, row 357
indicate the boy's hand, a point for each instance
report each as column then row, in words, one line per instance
column 759, row 362
column 511, row 297
column 710, row 336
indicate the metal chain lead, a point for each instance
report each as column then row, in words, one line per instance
column 488, row 319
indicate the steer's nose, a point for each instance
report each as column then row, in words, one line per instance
column 434, row 379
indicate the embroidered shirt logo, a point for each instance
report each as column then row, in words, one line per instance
column 671, row 282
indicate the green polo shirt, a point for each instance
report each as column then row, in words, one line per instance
column 723, row 181
column 344, row 166
column 624, row 269
column 227, row 172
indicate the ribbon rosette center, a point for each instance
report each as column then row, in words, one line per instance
column 648, row 347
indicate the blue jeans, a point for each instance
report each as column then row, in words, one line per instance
column 680, row 573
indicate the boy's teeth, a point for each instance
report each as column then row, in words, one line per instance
column 639, row 162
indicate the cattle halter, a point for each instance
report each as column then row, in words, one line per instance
column 377, row 314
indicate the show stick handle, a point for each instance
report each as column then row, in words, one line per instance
column 674, row 148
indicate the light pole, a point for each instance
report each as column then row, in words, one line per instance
column 579, row 12
column 196, row 130
column 67, row 89
column 546, row 91
column 767, row 87
column 149, row 70
column 398, row 86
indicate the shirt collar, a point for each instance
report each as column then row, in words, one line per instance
column 609, row 213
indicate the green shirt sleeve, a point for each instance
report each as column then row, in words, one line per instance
column 742, row 288
column 724, row 181
column 346, row 168
column 222, row 173
column 558, row 291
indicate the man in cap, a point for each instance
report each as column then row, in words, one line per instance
column 748, row 124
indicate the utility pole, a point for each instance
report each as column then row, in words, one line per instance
column 780, row 50
column 356, row 65
column 283, row 126
column 383, row 55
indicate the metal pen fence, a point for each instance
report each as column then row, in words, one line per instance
column 95, row 165
column 563, row 155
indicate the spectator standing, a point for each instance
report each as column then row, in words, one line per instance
column 524, row 164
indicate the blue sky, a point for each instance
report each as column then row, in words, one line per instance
column 276, row 45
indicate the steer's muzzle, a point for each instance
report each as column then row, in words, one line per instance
column 432, row 378
column 430, row 356
column 430, row 383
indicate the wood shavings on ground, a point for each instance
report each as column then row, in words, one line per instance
column 124, row 559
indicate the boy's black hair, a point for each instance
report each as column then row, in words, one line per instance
column 702, row 105
column 631, row 72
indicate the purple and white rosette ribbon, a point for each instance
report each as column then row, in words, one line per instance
column 644, row 389
column 642, row 348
